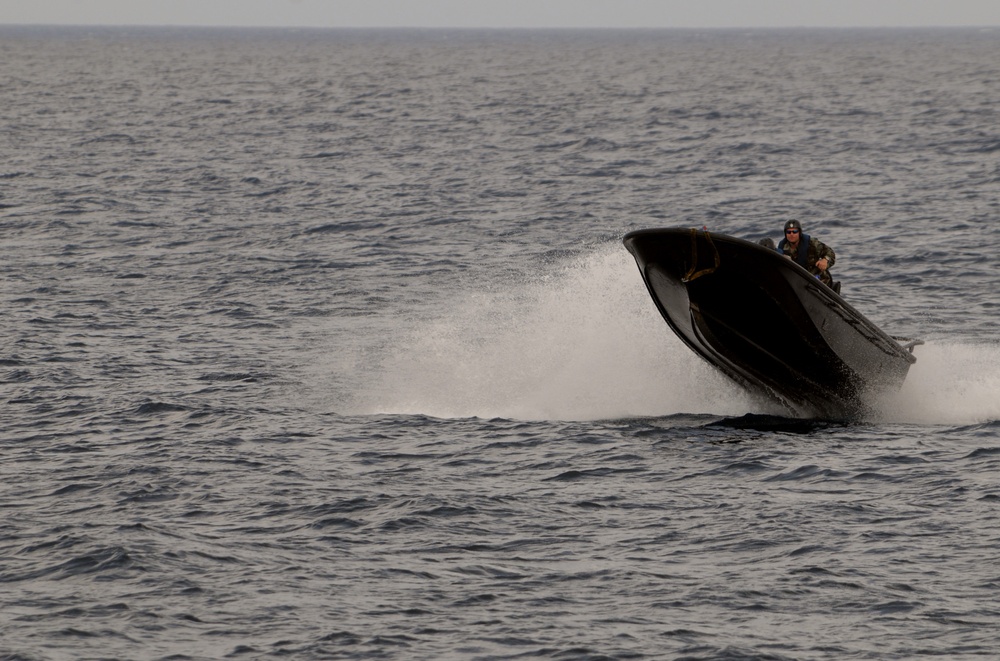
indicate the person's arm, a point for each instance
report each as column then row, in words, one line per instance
column 826, row 254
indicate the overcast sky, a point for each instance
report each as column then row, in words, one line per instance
column 507, row 13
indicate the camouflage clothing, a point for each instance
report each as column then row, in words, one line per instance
column 816, row 251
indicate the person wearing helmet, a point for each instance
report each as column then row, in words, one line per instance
column 812, row 254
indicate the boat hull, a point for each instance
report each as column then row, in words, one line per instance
column 768, row 324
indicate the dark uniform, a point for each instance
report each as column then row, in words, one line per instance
column 815, row 250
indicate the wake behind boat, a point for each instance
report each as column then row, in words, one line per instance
column 767, row 323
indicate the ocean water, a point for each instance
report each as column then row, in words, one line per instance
column 323, row 345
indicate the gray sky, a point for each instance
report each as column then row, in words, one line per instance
column 507, row 13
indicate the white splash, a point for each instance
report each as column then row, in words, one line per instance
column 581, row 342
column 950, row 384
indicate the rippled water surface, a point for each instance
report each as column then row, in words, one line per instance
column 324, row 345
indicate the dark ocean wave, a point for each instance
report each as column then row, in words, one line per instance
column 323, row 344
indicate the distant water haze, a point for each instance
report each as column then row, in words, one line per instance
column 510, row 14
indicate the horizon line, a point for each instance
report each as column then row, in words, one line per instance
column 508, row 27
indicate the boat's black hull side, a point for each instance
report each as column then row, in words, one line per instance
column 767, row 323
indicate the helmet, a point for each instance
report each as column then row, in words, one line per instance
column 793, row 224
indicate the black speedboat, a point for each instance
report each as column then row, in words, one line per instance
column 767, row 323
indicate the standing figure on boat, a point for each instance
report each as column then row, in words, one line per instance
column 812, row 254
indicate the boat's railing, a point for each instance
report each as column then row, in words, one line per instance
column 907, row 343
column 693, row 273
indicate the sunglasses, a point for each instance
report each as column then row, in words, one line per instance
column 791, row 231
